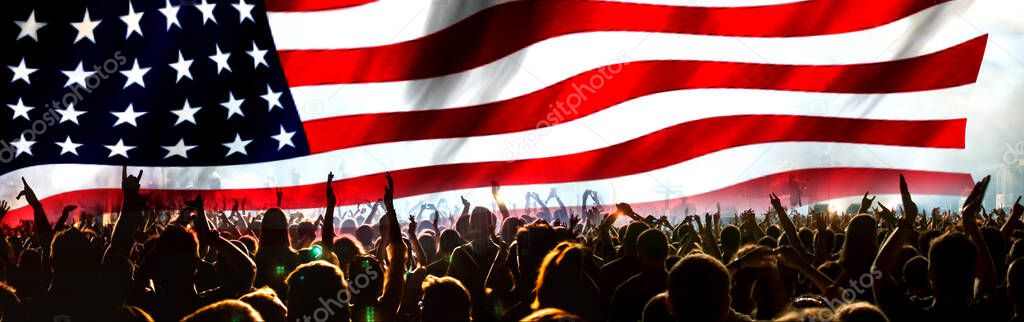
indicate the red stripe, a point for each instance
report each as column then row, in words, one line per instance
column 312, row 5
column 654, row 151
column 820, row 184
column 598, row 89
column 504, row 29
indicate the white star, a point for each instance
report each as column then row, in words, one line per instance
column 119, row 149
column 171, row 14
column 182, row 67
column 259, row 56
column 284, row 138
column 70, row 114
column 128, row 116
column 238, row 146
column 179, row 149
column 22, row 72
column 68, row 146
column 20, row 110
column 273, row 99
column 132, row 19
column 77, row 76
column 244, row 11
column 30, row 27
column 187, row 113
column 86, row 27
column 222, row 60
column 207, row 10
column 233, row 105
column 135, row 75
column 22, row 146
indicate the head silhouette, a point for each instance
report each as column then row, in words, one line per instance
column 265, row 301
column 174, row 258
column 553, row 315
column 317, row 290
column 71, row 251
column 951, row 267
column 346, row 248
column 859, row 248
column 481, row 224
column 860, row 312
column 652, row 249
column 698, row 289
column 633, row 231
column 366, row 275
column 564, row 281
column 444, row 299
column 226, row 310
column 533, row 242
column 274, row 230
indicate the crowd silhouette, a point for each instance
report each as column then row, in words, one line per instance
column 537, row 264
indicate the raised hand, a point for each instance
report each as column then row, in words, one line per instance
column 973, row 204
column 4, row 208
column 129, row 184
column 433, row 220
column 331, row 198
column 909, row 207
column 389, row 195
column 1018, row 209
column 196, row 203
column 26, row 191
column 573, row 221
column 887, row 215
column 280, row 195
column 627, row 210
column 865, row 203
column 819, row 222
column 60, row 224
column 777, row 205
column 411, row 230
column 495, row 188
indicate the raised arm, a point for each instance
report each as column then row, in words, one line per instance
column 394, row 279
column 1014, row 222
column 790, row 257
column 131, row 215
column 561, row 206
column 236, row 259
column 496, row 193
column 887, row 260
column 788, row 226
column 327, row 228
column 417, row 249
column 44, row 232
column 465, row 209
column 986, row 274
column 62, row 221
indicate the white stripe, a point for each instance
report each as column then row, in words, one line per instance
column 618, row 124
column 393, row 21
column 688, row 178
column 554, row 60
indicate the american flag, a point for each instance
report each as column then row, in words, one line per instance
column 650, row 101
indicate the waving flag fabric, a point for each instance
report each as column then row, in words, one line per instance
column 681, row 102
